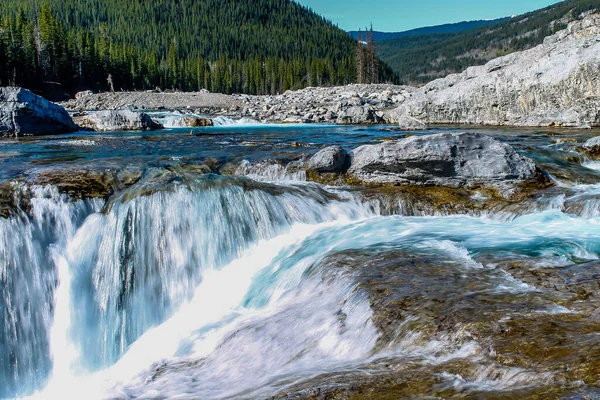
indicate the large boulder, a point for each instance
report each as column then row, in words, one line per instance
column 331, row 159
column 444, row 159
column 121, row 120
column 554, row 84
column 24, row 113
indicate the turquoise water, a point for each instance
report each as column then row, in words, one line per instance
column 213, row 288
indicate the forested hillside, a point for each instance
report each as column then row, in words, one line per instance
column 445, row 28
column 250, row 46
column 422, row 58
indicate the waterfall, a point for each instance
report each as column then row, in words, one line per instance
column 209, row 286
column 29, row 243
column 89, row 282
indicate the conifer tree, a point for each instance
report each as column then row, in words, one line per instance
column 80, row 44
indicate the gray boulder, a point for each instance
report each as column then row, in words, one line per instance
column 411, row 124
column 359, row 115
column 24, row 113
column 121, row 120
column 331, row 159
column 593, row 145
column 445, row 159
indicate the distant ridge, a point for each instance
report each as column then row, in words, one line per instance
column 445, row 28
column 423, row 57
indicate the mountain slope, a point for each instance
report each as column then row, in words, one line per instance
column 422, row 58
column 445, row 28
column 253, row 46
column 553, row 84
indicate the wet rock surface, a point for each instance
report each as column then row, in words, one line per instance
column 462, row 335
column 23, row 113
column 114, row 121
column 82, row 183
column 332, row 159
column 592, row 146
column 443, row 159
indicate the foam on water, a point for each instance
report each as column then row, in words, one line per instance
column 77, row 142
column 272, row 172
column 595, row 165
column 495, row 378
column 226, row 121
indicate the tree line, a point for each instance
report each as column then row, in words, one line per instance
column 233, row 47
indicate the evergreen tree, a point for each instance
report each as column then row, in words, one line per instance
column 258, row 46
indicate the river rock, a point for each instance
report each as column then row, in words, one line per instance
column 359, row 115
column 188, row 122
column 411, row 124
column 121, row 120
column 592, row 146
column 195, row 122
column 24, row 113
column 331, row 159
column 554, row 84
column 83, row 94
column 444, row 159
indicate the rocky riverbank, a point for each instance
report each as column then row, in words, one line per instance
column 351, row 104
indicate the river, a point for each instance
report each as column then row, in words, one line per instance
column 194, row 285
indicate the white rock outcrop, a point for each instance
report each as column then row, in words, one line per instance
column 554, row 84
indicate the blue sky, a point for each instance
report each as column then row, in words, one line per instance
column 401, row 15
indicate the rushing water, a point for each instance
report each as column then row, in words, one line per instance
column 248, row 287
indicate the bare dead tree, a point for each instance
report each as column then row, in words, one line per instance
column 109, row 80
column 373, row 61
column 360, row 58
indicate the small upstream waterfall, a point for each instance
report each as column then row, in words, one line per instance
column 220, row 287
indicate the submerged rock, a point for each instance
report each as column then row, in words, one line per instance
column 553, row 84
column 24, row 113
column 121, row 120
column 592, row 146
column 331, row 159
column 445, row 159
column 494, row 342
